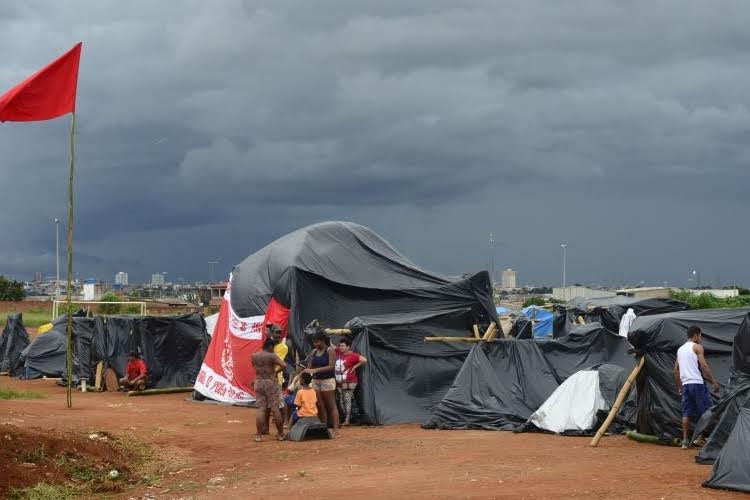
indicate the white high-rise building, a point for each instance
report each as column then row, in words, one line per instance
column 157, row 279
column 121, row 279
column 508, row 279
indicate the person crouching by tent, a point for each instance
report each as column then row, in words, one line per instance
column 347, row 362
column 136, row 374
column 267, row 390
column 689, row 369
column 321, row 365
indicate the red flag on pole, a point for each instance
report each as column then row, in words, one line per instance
column 47, row 94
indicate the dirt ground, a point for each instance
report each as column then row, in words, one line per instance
column 212, row 455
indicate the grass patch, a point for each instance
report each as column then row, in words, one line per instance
column 33, row 318
column 7, row 393
column 42, row 491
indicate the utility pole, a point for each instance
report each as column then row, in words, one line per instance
column 57, row 257
column 565, row 292
column 211, row 264
column 492, row 262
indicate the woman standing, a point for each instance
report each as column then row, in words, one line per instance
column 347, row 362
column 321, row 365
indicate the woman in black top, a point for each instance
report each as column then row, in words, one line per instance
column 321, row 364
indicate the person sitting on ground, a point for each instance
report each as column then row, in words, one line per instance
column 267, row 390
column 306, row 399
column 689, row 369
column 135, row 374
column 321, row 365
column 347, row 362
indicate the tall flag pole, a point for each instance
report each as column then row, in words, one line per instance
column 69, row 392
column 47, row 94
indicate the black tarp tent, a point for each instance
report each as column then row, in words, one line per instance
column 13, row 341
column 732, row 467
column 173, row 347
column 717, row 424
column 608, row 311
column 406, row 376
column 657, row 338
column 335, row 271
column 502, row 383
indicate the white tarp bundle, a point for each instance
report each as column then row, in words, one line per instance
column 211, row 323
column 573, row 406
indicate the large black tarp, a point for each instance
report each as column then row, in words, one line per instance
column 657, row 338
column 335, row 271
column 13, row 341
column 732, row 467
column 608, row 311
column 406, row 376
column 502, row 383
column 172, row 347
column 718, row 423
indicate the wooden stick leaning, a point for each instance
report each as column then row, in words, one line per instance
column 618, row 402
column 476, row 331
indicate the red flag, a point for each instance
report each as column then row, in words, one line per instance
column 47, row 94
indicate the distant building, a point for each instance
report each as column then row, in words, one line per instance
column 38, row 277
column 718, row 293
column 92, row 289
column 646, row 292
column 157, row 279
column 571, row 292
column 121, row 279
column 508, row 279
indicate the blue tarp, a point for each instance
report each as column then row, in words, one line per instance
column 543, row 317
column 502, row 310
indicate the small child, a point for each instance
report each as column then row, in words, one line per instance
column 306, row 401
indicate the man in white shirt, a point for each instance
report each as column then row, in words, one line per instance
column 690, row 368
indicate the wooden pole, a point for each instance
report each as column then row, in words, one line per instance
column 452, row 339
column 618, row 402
column 337, row 331
column 489, row 335
column 476, row 331
column 69, row 393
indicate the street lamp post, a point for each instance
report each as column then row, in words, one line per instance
column 565, row 291
column 57, row 257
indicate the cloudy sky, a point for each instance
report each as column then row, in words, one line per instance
column 208, row 129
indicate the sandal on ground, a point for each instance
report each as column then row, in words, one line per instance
column 258, row 438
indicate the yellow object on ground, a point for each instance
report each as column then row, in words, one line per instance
column 44, row 328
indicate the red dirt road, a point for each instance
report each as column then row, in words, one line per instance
column 216, row 457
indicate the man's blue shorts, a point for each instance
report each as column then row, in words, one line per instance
column 695, row 400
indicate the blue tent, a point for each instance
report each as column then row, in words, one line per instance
column 543, row 318
column 502, row 310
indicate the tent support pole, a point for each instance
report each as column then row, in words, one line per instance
column 618, row 402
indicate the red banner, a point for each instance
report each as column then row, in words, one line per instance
column 227, row 373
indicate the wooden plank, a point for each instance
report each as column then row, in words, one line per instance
column 489, row 335
column 98, row 376
column 476, row 331
column 618, row 402
column 337, row 331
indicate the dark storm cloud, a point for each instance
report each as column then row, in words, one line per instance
column 207, row 129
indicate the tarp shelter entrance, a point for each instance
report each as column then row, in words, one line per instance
column 608, row 311
column 502, row 383
column 13, row 341
column 577, row 405
column 732, row 467
column 406, row 376
column 657, row 338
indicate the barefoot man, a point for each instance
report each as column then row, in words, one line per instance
column 267, row 389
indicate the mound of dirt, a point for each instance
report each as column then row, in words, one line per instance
column 82, row 462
